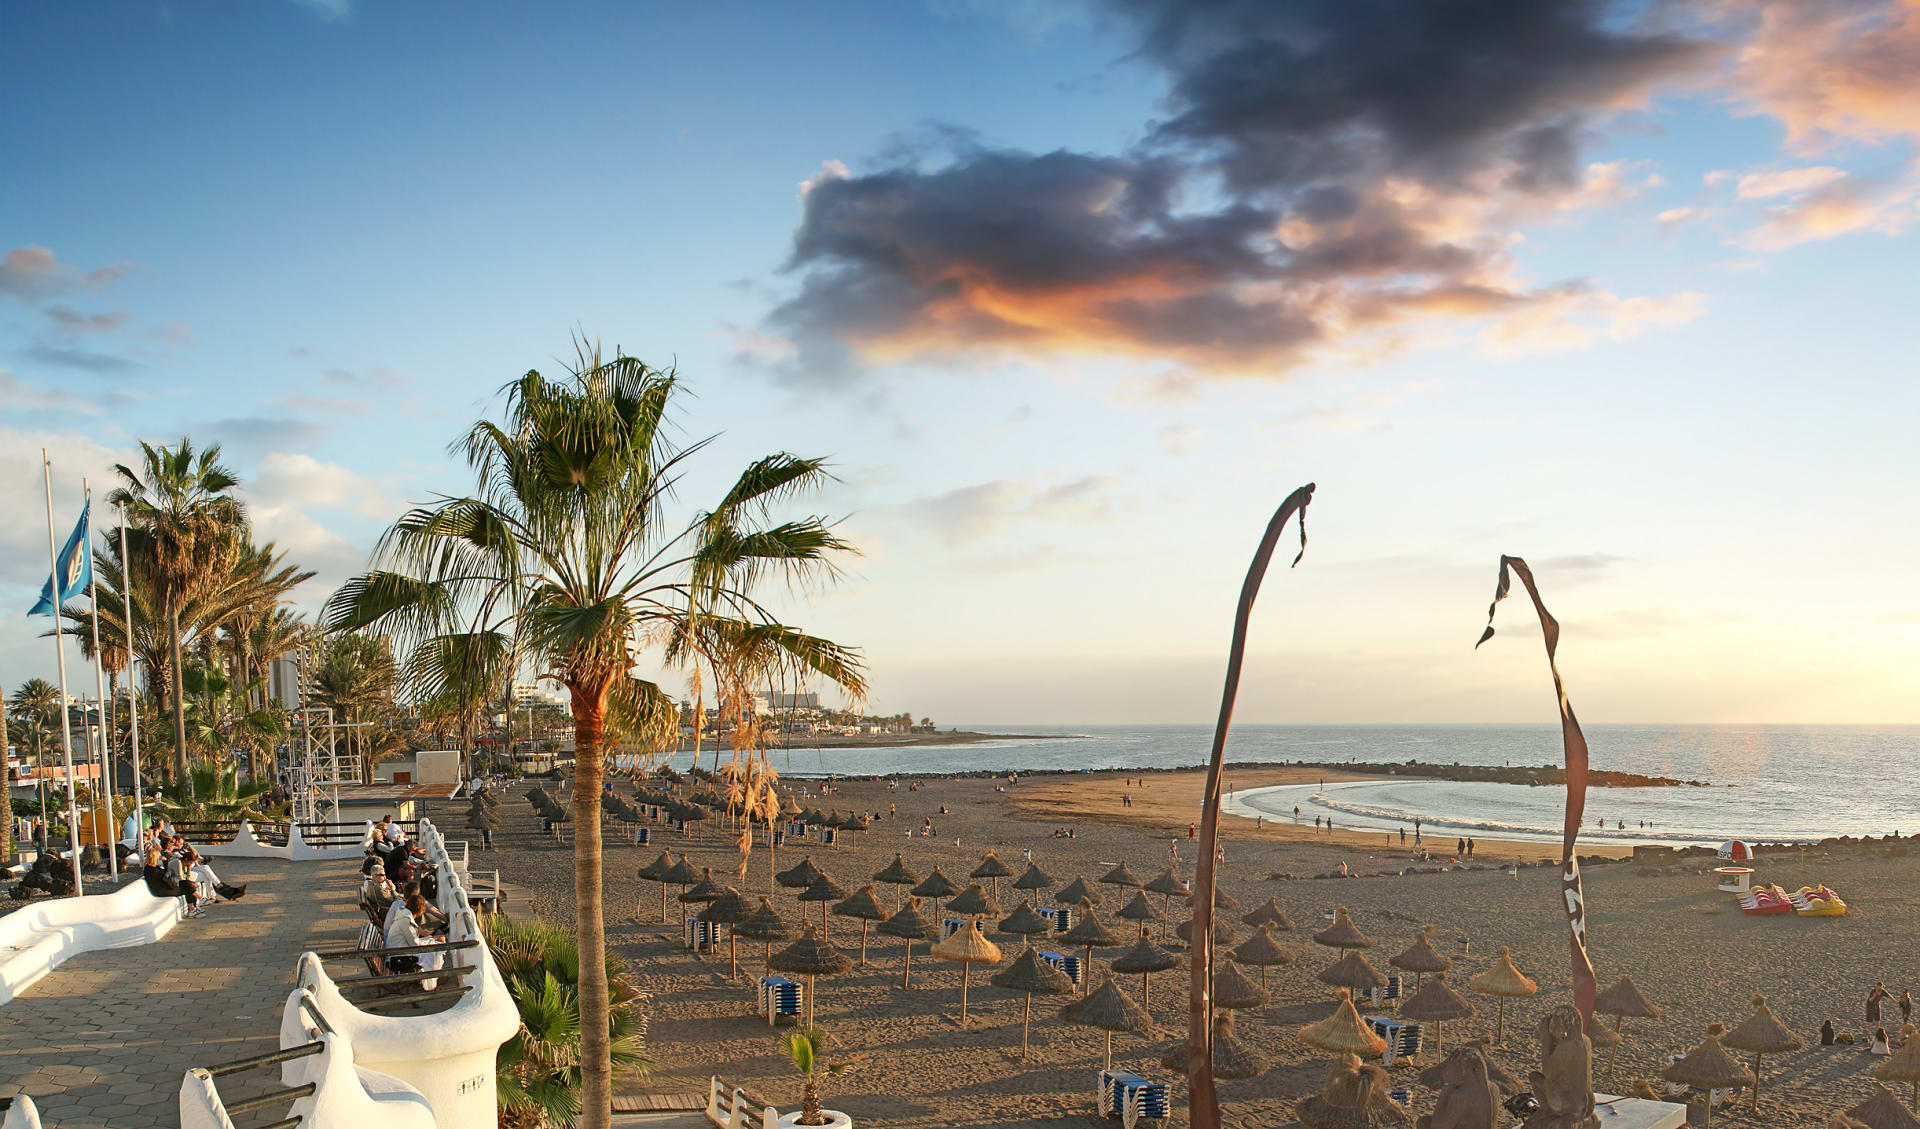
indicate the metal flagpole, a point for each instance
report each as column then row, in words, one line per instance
column 100, row 683
column 133, row 700
column 60, row 654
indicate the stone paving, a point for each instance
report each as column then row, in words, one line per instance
column 104, row 1039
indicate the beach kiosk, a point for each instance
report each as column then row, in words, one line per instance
column 1734, row 879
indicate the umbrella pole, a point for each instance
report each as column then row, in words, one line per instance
column 1109, row 1065
column 1756, row 1083
column 1146, row 999
column 1500, row 1022
column 965, row 967
column 663, row 903
column 1026, row 1017
column 906, row 970
column 733, row 955
column 809, row 1002
column 863, row 943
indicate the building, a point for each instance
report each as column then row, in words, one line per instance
column 428, row 766
column 538, row 694
column 779, row 700
column 289, row 680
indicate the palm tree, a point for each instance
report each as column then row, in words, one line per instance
column 185, row 538
column 355, row 676
column 36, row 710
column 564, row 547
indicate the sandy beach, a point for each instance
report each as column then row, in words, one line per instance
column 1684, row 943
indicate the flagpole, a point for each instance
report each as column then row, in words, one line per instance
column 60, row 655
column 100, row 685
column 133, row 700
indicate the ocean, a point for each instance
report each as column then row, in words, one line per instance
column 1767, row 782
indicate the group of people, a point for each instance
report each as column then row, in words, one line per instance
column 171, row 868
column 399, row 891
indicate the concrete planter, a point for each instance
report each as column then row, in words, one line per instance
column 834, row 1120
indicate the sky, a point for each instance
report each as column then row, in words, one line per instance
column 1071, row 294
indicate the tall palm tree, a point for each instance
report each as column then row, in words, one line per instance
column 35, row 706
column 355, row 676
column 564, row 545
column 186, row 536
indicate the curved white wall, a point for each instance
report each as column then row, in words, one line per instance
column 38, row 938
column 247, row 845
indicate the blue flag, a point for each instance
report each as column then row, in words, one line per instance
column 76, row 569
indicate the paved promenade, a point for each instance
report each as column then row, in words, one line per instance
column 104, row 1038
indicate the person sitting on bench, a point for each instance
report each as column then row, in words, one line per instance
column 404, row 929
column 162, row 883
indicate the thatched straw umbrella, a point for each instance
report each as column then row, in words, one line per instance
column 810, row 957
column 1221, row 899
column 1075, row 892
column 968, row 947
column 1109, row 1009
column 1268, row 913
column 1222, row 932
column 1167, row 884
column 865, row 907
column 1342, row 934
column 1231, row 1058
column 935, row 885
column 1436, row 1003
column 1352, row 1097
column 1233, row 989
column 1029, row 974
column 1145, row 958
column 705, row 890
column 1343, row 1033
column 908, row 923
column 730, row 910
column 1352, row 971
column 1883, row 1111
column 1140, row 909
column 1505, row 981
column 1421, row 958
column 973, row 902
column 800, row 875
column 1121, row 876
column 1262, row 951
column 1092, row 933
column 1024, row 921
column 1434, row 1077
column 1709, row 1068
column 1904, row 1066
column 766, row 925
column 657, row 871
column 1762, row 1033
column 1621, row 1001
column 993, row 870
column 1033, row 879
column 896, row 874
column 823, row 891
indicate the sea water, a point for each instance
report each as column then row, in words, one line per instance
column 1765, row 782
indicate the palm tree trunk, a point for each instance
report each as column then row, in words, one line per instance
column 596, row 1065
column 182, row 776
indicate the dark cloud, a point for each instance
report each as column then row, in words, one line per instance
column 259, row 434
column 71, row 320
column 87, row 360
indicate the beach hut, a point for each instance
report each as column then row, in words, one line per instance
column 1762, row 1033
column 656, row 871
column 1421, row 958
column 1110, row 1010
column 767, row 926
column 810, row 957
column 967, row 947
column 1436, row 1003
column 1145, row 958
column 730, row 910
column 1883, row 1111
column 1234, row 990
column 1231, row 1058
column 935, row 885
column 1343, row 1033
column 681, row 874
column 1140, row 910
column 1342, row 934
column 973, row 902
column 1024, row 921
column 1904, row 1066
column 865, row 908
column 800, row 875
column 1268, row 913
column 896, row 874
column 1352, row 971
column 993, row 870
column 1033, row 879
column 1222, row 932
column 1029, row 974
column 1092, row 933
column 1075, row 892
column 909, row 924
column 1506, row 982
column 1707, row 1067
column 1167, row 884
column 1262, row 951
column 1121, row 876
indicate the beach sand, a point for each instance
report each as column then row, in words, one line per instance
column 1687, row 946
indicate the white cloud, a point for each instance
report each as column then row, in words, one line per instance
column 32, row 272
column 830, row 169
column 304, row 482
column 1574, row 318
column 1842, row 207
column 969, row 513
column 16, row 395
column 1787, row 182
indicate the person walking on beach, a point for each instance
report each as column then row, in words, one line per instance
column 1874, row 997
column 1460, row 848
column 1192, row 831
column 1906, row 1006
column 1469, row 847
column 1316, row 823
column 1403, row 836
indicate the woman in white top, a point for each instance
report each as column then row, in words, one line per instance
column 403, row 930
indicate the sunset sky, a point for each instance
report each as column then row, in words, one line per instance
column 1073, row 294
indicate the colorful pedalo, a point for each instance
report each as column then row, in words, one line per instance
column 1817, row 901
column 1766, row 899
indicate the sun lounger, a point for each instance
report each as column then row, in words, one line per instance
column 701, row 935
column 779, row 996
column 1062, row 917
column 1131, row 1097
column 1404, row 1040
column 1378, row 997
column 951, row 925
column 1069, row 965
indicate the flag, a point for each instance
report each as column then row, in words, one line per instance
column 76, row 569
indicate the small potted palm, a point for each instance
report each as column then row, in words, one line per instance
column 807, row 1047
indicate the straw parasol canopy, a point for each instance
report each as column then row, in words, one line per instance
column 1140, row 909
column 1352, row 971
column 1025, row 921
column 1421, row 958
column 936, row 885
column 1167, row 884
column 1707, row 1067
column 800, row 875
column 1221, row 899
column 1505, row 981
column 1075, row 892
column 1621, row 1001
column 1109, row 1009
column 1231, row 1058
column 1222, row 932
column 810, row 957
column 681, row 873
column 657, row 871
column 1342, row 934
column 1343, row 1033
column 1352, row 1097
column 1232, row 989
column 1904, row 1066
column 1268, row 913
column 1883, row 1111
column 907, row 922
column 1145, row 958
column 729, row 909
column 705, row 890
column 1121, row 876
column 993, row 870
column 1262, row 951
column 1762, row 1033
column 864, row 907
column 1092, row 933
column 765, row 925
column 968, row 947
column 973, row 901
column 823, row 890
column 1033, row 879
column 1029, row 974
column 1436, row 1003
column 896, row 873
